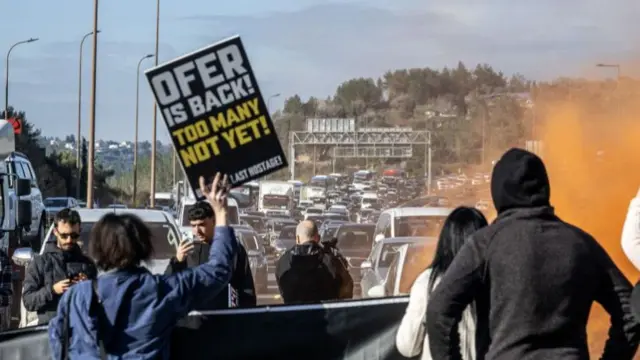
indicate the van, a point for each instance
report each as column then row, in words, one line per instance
column 412, row 221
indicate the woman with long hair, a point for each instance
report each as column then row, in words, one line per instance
column 128, row 312
column 411, row 339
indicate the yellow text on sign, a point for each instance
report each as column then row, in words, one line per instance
column 199, row 142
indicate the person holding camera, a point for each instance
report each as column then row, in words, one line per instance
column 61, row 266
column 310, row 272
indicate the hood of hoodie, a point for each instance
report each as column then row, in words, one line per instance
column 306, row 256
column 519, row 180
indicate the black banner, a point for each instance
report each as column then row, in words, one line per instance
column 216, row 114
column 345, row 330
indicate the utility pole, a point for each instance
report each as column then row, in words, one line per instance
column 92, row 119
column 154, row 131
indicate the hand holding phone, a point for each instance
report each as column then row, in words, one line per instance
column 184, row 249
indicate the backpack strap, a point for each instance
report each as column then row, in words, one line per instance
column 97, row 304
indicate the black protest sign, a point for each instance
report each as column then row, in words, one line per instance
column 216, row 115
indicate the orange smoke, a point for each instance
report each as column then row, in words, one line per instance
column 593, row 159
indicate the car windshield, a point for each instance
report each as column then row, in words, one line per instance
column 255, row 222
column 56, row 202
column 355, row 237
column 388, row 254
column 249, row 240
column 163, row 237
column 417, row 260
column 418, row 225
column 232, row 212
column 314, row 211
column 288, row 232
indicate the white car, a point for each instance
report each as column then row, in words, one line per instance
column 165, row 240
column 374, row 270
column 409, row 262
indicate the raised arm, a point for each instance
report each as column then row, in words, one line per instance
column 205, row 282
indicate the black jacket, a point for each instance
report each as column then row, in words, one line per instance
column 310, row 273
column 534, row 278
column 45, row 270
column 241, row 281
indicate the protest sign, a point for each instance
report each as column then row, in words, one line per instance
column 216, row 115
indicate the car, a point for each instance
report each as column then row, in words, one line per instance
column 187, row 204
column 355, row 247
column 18, row 164
column 55, row 204
column 257, row 256
column 410, row 262
column 259, row 224
column 411, row 221
column 286, row 240
column 374, row 269
column 165, row 239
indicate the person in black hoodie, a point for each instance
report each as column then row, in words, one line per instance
column 242, row 292
column 309, row 273
column 534, row 278
column 61, row 265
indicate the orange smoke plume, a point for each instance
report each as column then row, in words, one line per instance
column 593, row 159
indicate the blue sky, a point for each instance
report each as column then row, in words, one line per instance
column 296, row 46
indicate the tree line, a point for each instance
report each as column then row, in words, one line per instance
column 473, row 114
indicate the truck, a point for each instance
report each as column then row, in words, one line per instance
column 276, row 198
column 15, row 217
column 313, row 196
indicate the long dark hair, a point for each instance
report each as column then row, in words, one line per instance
column 459, row 225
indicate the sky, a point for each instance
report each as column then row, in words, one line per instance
column 306, row 47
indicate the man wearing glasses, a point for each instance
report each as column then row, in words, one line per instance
column 61, row 265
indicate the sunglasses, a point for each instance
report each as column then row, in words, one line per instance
column 65, row 236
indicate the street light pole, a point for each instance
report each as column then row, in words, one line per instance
column 152, row 187
column 79, row 127
column 135, row 140
column 269, row 101
column 6, row 81
column 618, row 77
column 92, row 118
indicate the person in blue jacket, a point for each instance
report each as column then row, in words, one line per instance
column 129, row 312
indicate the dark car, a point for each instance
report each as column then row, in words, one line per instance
column 354, row 243
column 257, row 257
column 259, row 224
column 286, row 240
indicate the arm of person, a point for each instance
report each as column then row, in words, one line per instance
column 631, row 233
column 175, row 266
column 35, row 294
column 205, row 282
column 448, row 300
column 345, row 279
column 6, row 290
column 412, row 330
column 614, row 295
column 56, row 327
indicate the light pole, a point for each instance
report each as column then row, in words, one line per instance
column 6, row 83
column 269, row 101
column 135, row 140
column 79, row 126
column 617, row 67
column 152, row 187
column 92, row 118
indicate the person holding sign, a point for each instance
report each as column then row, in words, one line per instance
column 128, row 312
